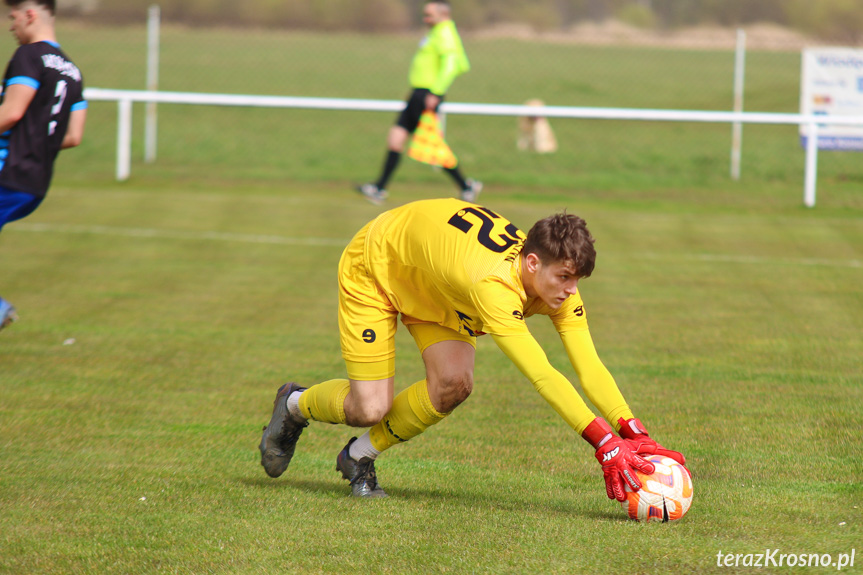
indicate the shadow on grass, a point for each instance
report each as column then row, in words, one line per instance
column 528, row 503
column 454, row 497
column 308, row 486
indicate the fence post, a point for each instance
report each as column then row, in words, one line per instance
column 150, row 126
column 811, row 164
column 124, row 139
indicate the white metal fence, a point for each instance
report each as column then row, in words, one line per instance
column 125, row 99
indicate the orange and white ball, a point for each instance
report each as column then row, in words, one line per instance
column 665, row 496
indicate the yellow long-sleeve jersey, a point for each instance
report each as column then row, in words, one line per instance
column 458, row 265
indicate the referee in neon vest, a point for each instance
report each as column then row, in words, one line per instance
column 438, row 61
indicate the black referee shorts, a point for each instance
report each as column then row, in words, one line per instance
column 416, row 105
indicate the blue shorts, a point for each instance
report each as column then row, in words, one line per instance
column 16, row 205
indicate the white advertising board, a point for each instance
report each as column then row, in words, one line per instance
column 831, row 84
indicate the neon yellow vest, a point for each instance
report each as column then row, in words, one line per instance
column 439, row 60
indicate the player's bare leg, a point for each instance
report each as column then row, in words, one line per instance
column 449, row 381
column 397, row 138
column 368, row 401
column 449, row 372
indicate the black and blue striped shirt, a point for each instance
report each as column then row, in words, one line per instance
column 29, row 148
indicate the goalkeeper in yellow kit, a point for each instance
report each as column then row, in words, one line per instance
column 436, row 64
column 454, row 271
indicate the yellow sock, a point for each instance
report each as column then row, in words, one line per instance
column 411, row 414
column 325, row 401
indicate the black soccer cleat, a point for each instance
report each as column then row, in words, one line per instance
column 361, row 474
column 281, row 435
column 7, row 313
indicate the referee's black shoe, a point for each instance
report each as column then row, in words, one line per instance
column 372, row 193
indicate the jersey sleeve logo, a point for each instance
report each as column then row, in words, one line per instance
column 579, row 311
column 466, row 326
column 517, row 314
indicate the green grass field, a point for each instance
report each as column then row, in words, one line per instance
column 158, row 317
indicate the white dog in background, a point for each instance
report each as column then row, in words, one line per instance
column 535, row 133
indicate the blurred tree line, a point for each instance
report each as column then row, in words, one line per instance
column 836, row 20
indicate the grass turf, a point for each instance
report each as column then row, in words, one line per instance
column 735, row 336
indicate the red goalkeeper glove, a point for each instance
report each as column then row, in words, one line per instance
column 640, row 442
column 619, row 462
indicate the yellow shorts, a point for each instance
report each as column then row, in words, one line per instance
column 368, row 321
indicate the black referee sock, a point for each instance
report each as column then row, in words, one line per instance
column 389, row 167
column 455, row 174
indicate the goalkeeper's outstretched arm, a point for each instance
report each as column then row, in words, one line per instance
column 530, row 359
column 596, row 381
column 601, row 389
column 618, row 461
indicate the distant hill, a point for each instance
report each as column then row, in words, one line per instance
column 835, row 21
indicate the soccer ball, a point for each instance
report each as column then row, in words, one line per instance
column 664, row 496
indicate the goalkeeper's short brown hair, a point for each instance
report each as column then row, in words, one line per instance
column 562, row 237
